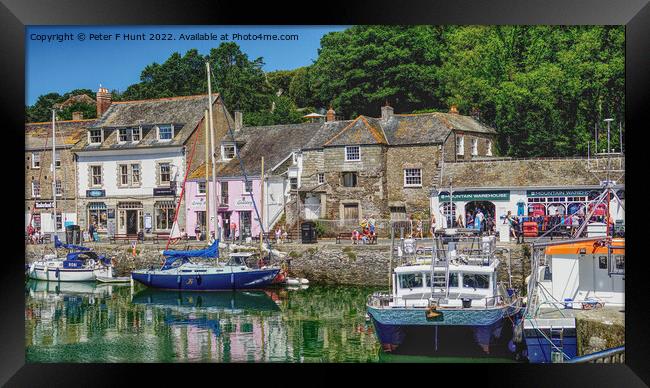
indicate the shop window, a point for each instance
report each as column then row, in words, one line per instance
column 165, row 132
column 36, row 160
column 349, row 179
column 201, row 188
column 476, row 281
column 412, row 177
column 410, row 280
column 164, row 217
column 352, row 153
column 97, row 215
column 36, row 189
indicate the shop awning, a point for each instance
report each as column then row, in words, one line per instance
column 165, row 204
column 96, row 206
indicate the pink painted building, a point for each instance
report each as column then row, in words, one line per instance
column 234, row 206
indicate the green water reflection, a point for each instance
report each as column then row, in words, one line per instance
column 86, row 322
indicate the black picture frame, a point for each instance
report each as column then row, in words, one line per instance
column 16, row 14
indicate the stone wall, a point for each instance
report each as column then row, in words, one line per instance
column 65, row 173
column 426, row 158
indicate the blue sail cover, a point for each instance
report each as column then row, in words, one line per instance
column 59, row 244
column 173, row 256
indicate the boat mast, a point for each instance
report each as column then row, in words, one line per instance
column 217, row 227
column 262, row 208
column 54, row 169
column 207, row 181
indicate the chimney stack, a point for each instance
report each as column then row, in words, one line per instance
column 330, row 114
column 77, row 116
column 239, row 120
column 453, row 109
column 103, row 101
column 386, row 112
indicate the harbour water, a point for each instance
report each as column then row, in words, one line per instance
column 87, row 322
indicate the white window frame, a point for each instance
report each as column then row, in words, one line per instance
column 101, row 136
column 160, row 174
column 92, row 176
column 412, row 176
column 58, row 187
column 198, row 187
column 223, row 150
column 358, row 152
column 489, row 148
column 34, row 155
column 158, row 132
column 57, row 159
column 139, row 132
column 245, row 190
column 321, row 178
column 293, row 183
column 34, row 191
column 131, row 174
column 129, row 136
column 460, row 145
column 474, row 147
column 120, row 174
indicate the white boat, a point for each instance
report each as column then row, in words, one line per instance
column 81, row 265
column 457, row 287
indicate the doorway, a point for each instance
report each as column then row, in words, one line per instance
column 351, row 211
column 489, row 214
column 225, row 225
column 131, row 222
column 245, row 223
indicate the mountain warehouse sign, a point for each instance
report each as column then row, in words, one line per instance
column 501, row 195
column 557, row 193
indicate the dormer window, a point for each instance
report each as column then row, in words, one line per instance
column 136, row 134
column 95, row 136
column 228, row 151
column 165, row 132
column 125, row 135
column 352, row 153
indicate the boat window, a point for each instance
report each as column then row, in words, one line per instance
column 620, row 261
column 236, row 260
column 602, row 262
column 548, row 275
column 410, row 280
column 471, row 280
column 453, row 279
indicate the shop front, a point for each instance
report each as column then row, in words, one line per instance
column 464, row 205
column 130, row 216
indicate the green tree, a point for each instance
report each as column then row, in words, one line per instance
column 42, row 108
column 300, row 89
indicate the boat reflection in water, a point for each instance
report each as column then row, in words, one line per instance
column 44, row 290
column 187, row 301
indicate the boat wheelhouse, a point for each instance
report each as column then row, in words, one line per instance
column 455, row 287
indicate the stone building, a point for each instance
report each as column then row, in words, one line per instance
column 385, row 167
column 39, row 202
column 131, row 162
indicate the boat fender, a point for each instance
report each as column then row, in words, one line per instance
column 56, row 273
column 198, row 280
column 517, row 333
column 178, row 279
column 149, row 278
column 304, row 281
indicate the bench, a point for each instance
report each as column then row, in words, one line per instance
column 123, row 237
column 159, row 236
column 348, row 236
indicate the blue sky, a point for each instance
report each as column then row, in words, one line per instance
column 72, row 64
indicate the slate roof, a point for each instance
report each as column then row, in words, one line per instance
column 404, row 129
column 79, row 98
column 274, row 143
column 68, row 133
column 184, row 113
column 530, row 173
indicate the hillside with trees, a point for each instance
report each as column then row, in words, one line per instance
column 542, row 87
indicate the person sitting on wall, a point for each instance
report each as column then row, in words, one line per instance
column 355, row 236
column 278, row 234
column 184, row 234
column 364, row 236
column 285, row 235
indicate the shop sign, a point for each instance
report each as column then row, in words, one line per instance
column 556, row 193
column 243, row 203
column 160, row 191
column 502, row 195
column 43, row 204
column 198, row 203
column 95, row 193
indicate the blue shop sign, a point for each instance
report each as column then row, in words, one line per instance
column 557, row 193
column 498, row 195
column 95, row 193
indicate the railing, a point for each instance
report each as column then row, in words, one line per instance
column 608, row 356
column 504, row 158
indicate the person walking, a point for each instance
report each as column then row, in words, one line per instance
column 91, row 231
column 432, row 224
column 509, row 219
column 478, row 220
column 418, row 228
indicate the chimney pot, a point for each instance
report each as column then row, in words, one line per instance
column 453, row 109
column 77, row 115
column 103, row 101
column 386, row 112
column 239, row 120
column 330, row 114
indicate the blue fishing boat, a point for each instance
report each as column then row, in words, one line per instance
column 184, row 270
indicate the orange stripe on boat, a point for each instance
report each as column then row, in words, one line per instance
column 590, row 247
